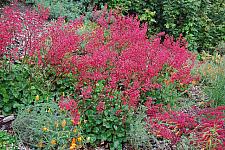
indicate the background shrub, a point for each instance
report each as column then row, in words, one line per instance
column 214, row 80
column 70, row 9
column 200, row 22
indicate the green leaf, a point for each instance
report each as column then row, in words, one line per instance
column 115, row 127
column 106, row 124
column 7, row 109
column 5, row 95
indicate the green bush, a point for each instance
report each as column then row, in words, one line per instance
column 4, row 2
column 69, row 8
column 44, row 125
column 7, row 141
column 213, row 76
column 201, row 22
column 138, row 135
column 22, row 82
column 105, row 120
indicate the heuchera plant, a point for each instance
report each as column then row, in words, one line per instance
column 20, row 32
column 204, row 127
column 117, row 51
column 71, row 106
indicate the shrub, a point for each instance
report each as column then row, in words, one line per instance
column 4, row 2
column 214, row 80
column 22, row 82
column 19, row 85
column 204, row 127
column 7, row 141
column 201, row 22
column 138, row 135
column 70, row 9
column 44, row 125
column 91, row 59
column 105, row 119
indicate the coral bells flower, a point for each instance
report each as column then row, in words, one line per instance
column 100, row 107
column 75, row 116
column 86, row 93
column 67, row 103
column 71, row 106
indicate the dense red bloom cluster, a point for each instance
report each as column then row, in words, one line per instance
column 116, row 50
column 21, row 31
column 71, row 106
column 210, row 132
column 205, row 127
column 100, row 107
column 10, row 27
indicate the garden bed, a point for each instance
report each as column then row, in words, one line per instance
column 98, row 82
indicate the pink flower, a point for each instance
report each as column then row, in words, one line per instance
column 100, row 107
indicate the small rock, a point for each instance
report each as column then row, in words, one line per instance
column 3, row 127
column 9, row 118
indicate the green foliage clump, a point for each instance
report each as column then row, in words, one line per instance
column 213, row 75
column 137, row 135
column 201, row 22
column 22, row 82
column 4, row 2
column 105, row 120
column 7, row 141
column 67, row 8
column 44, row 125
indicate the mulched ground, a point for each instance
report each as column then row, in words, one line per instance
column 6, row 122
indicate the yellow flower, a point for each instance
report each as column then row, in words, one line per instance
column 63, row 123
column 73, row 144
column 40, row 144
column 167, row 82
column 49, row 110
column 194, row 82
column 53, row 141
column 73, row 141
column 56, row 124
column 74, row 130
column 37, row 98
column 73, row 147
column 78, row 123
column 45, row 129
column 79, row 139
